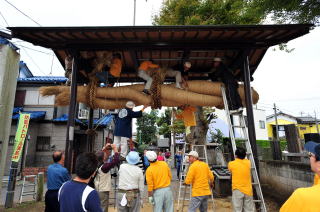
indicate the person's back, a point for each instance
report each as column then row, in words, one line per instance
column 241, row 175
column 160, row 174
column 133, row 173
column 303, row 200
column 78, row 197
column 123, row 126
column 56, row 176
column 198, row 176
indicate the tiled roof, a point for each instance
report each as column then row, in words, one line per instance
column 45, row 79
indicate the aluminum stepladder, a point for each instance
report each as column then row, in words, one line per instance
column 183, row 188
column 259, row 202
column 187, row 189
column 33, row 186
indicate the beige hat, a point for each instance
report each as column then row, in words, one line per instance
column 130, row 104
column 151, row 155
column 194, row 154
column 187, row 64
column 217, row 59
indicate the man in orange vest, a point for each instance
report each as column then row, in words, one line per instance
column 110, row 75
column 143, row 72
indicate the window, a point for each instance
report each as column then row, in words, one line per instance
column 43, row 143
column 262, row 124
column 11, row 140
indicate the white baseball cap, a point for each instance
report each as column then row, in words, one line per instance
column 151, row 155
column 217, row 59
column 130, row 104
column 194, row 154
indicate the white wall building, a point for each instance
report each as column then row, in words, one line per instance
column 222, row 124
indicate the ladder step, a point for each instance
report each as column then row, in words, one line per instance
column 257, row 201
column 26, row 194
column 239, row 126
column 28, row 185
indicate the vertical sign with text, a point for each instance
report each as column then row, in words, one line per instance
column 20, row 137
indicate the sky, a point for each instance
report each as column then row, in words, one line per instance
column 290, row 80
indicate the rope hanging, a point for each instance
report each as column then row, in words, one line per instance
column 158, row 77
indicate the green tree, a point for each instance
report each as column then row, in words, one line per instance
column 146, row 128
column 164, row 123
column 203, row 12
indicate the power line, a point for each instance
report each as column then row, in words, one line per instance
column 22, row 13
column 47, row 53
column 34, row 62
column 4, row 19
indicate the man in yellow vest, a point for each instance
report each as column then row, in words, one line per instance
column 306, row 199
column 242, row 199
column 201, row 178
column 158, row 177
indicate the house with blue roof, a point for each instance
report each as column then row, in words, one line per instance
column 48, row 125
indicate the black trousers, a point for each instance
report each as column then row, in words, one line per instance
column 51, row 200
column 233, row 97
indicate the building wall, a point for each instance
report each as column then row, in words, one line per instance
column 280, row 178
column 306, row 128
column 260, row 116
column 282, row 120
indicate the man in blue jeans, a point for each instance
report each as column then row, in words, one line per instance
column 56, row 176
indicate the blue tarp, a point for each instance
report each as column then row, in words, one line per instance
column 34, row 115
column 17, row 109
column 64, row 118
column 105, row 121
column 53, row 79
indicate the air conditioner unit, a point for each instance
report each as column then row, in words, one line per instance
column 83, row 114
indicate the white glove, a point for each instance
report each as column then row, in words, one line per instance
column 151, row 200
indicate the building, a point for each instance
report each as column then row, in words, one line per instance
column 304, row 124
column 47, row 128
column 221, row 123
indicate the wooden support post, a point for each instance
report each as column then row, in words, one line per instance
column 90, row 136
column 248, row 98
column 72, row 112
column 40, row 182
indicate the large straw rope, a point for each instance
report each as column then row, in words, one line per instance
column 116, row 97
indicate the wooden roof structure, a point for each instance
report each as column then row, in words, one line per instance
column 167, row 45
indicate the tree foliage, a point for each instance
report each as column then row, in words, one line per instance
column 146, row 128
column 164, row 123
column 204, row 12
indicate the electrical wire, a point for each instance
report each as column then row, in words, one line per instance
column 23, row 13
column 33, row 61
column 51, row 64
column 47, row 53
column 4, row 19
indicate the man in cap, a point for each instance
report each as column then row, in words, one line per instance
column 201, row 178
column 131, row 184
column 123, row 128
column 240, row 170
column 220, row 72
column 306, row 199
column 158, row 179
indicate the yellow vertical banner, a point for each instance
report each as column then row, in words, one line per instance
column 21, row 135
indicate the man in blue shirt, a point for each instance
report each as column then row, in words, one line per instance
column 76, row 195
column 123, row 128
column 56, row 176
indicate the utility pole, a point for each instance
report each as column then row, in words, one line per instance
column 276, row 119
column 134, row 12
column 316, row 121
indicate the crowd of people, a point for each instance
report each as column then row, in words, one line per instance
column 78, row 194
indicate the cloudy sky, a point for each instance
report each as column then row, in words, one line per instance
column 291, row 80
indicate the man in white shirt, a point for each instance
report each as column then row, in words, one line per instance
column 131, row 184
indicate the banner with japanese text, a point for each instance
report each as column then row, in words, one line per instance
column 21, row 135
